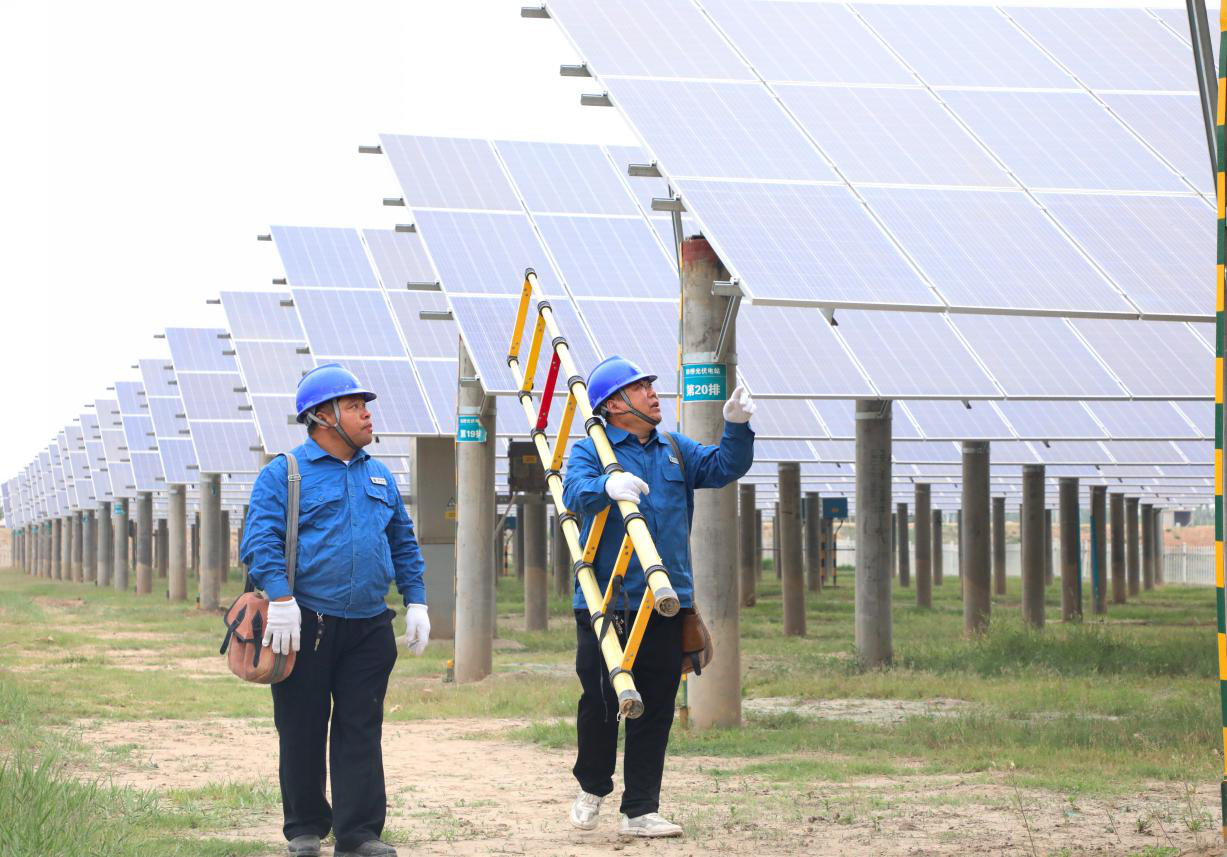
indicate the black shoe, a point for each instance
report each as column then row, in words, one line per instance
column 306, row 845
column 370, row 848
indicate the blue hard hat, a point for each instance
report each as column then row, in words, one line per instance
column 324, row 383
column 611, row 375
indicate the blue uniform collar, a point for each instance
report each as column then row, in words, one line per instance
column 315, row 452
column 617, row 435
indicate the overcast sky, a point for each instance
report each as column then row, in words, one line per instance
column 147, row 143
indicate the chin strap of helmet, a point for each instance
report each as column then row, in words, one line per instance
column 336, row 412
column 633, row 410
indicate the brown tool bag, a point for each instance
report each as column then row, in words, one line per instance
column 697, row 649
column 247, row 617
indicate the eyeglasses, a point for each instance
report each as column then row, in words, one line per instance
column 640, row 386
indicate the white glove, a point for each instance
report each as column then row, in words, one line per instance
column 740, row 407
column 284, row 625
column 417, row 628
column 625, row 486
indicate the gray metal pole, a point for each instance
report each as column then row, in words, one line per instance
column 999, row 546
column 163, row 547
column 210, row 540
column 937, row 547
column 57, row 549
column 1116, row 502
column 106, row 545
column 1033, row 545
column 1099, row 542
column 475, row 483
column 1133, row 556
column 747, row 543
column 1071, row 549
column 793, row 570
column 119, row 553
column 144, row 543
column 873, row 495
column 924, row 545
column 536, row 591
column 1148, row 546
column 814, row 541
column 958, row 545
column 903, row 548
column 78, row 547
column 829, row 549
column 777, row 561
column 1048, row 561
column 176, row 544
column 974, row 527
column 758, row 544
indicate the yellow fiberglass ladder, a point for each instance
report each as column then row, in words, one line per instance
column 659, row 594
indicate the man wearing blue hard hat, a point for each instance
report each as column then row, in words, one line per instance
column 660, row 473
column 354, row 538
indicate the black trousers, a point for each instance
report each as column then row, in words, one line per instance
column 346, row 677
column 657, row 671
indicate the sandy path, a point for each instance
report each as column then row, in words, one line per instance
column 456, row 788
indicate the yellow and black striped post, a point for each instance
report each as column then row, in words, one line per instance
column 1221, row 153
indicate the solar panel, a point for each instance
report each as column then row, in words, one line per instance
column 1175, row 364
column 401, row 408
column 1061, row 140
column 1195, row 452
column 261, row 315
column 272, row 415
column 962, row 239
column 899, row 136
column 399, row 257
column 660, row 38
column 1172, row 124
column 963, row 46
column 425, row 338
column 212, row 396
column 566, row 177
column 644, row 332
column 610, row 257
column 96, row 457
column 1042, row 421
column 950, row 420
column 1037, row 357
column 445, row 172
column 170, row 426
column 479, row 253
column 925, row 452
column 199, row 349
column 272, row 368
column 1142, row 419
column 788, row 418
column 688, row 124
column 321, row 256
column 819, row 42
column 923, row 357
column 783, row 450
column 347, row 323
column 1111, row 48
column 439, row 379
column 1201, row 415
column 1151, row 451
column 804, row 243
column 839, row 417
column 1151, row 246
column 223, row 447
column 775, row 344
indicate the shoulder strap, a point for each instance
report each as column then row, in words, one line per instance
column 291, row 517
column 677, row 450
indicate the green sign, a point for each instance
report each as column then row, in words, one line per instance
column 704, row 382
column 469, row 429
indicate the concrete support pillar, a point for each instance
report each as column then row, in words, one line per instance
column 78, row 547
column 536, row 592
column 974, row 543
column 1133, row 553
column 715, row 697
column 119, row 529
column 793, row 568
column 161, row 542
column 894, row 548
column 176, row 544
column 224, row 546
column 65, row 547
column 1116, row 519
column 999, row 546
column 815, row 541
column 57, row 549
column 144, row 542
column 561, row 559
column 475, row 484
column 1048, row 560
column 1099, row 549
column 903, row 548
column 1148, row 546
column 936, row 538
column 1071, row 550
column 106, row 544
column 747, row 542
column 758, row 544
column 208, row 593
column 1158, row 542
column 958, row 545
column 519, row 539
column 874, row 646
column 777, row 561
column 829, row 551
column 195, row 546
column 924, row 546
column 1032, row 520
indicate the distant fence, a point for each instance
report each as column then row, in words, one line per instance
column 1194, row 566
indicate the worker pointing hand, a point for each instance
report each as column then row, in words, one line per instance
column 740, row 407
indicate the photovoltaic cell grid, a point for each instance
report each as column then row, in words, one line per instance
column 170, row 426
column 1049, row 132
column 114, row 448
column 140, row 436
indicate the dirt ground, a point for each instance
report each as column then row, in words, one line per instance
column 455, row 787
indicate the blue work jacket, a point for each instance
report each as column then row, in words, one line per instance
column 354, row 535
column 667, row 507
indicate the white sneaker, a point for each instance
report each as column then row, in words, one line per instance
column 585, row 810
column 648, row 825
